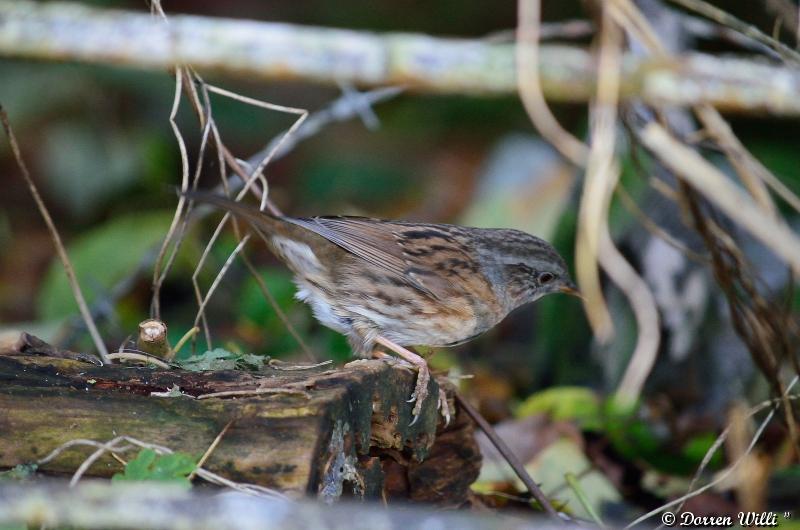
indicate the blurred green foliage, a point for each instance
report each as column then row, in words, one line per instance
column 564, row 403
column 101, row 258
column 627, row 428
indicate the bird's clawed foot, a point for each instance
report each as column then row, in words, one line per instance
column 423, row 377
column 420, row 390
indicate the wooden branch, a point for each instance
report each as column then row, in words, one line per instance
column 315, row 432
column 263, row 50
column 150, row 506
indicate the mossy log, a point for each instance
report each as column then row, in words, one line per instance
column 311, row 432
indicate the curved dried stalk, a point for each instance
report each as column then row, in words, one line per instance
column 256, row 174
column 115, row 445
column 155, row 309
column 728, row 197
column 529, row 85
column 601, row 177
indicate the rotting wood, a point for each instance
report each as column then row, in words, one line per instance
column 350, row 436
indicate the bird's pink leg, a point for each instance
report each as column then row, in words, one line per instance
column 423, row 377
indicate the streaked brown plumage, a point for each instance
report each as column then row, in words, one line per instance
column 398, row 284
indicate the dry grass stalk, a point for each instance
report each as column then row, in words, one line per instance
column 773, row 404
column 60, row 250
column 726, row 19
column 728, row 197
column 529, row 85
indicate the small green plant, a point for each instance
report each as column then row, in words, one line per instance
column 19, row 472
column 221, row 359
column 148, row 465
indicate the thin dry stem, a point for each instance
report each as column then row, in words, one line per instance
column 60, row 250
column 211, row 448
column 256, row 392
column 275, row 364
column 751, row 171
column 114, row 446
column 257, row 173
column 726, row 19
column 713, row 449
column 644, row 309
column 135, row 356
column 529, row 85
column 218, row 279
column 157, row 276
column 651, row 226
column 602, row 174
column 186, row 336
column 718, row 189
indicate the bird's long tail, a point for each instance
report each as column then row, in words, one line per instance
column 260, row 220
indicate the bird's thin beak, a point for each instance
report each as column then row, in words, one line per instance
column 571, row 289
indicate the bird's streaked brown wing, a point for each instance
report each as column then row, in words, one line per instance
column 384, row 244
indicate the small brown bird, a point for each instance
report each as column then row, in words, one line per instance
column 396, row 284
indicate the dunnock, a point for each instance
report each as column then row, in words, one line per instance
column 396, row 284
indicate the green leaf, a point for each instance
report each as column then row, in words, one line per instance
column 101, row 258
column 174, row 467
column 221, row 359
column 564, row 403
column 19, row 472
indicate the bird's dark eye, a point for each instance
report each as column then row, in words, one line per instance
column 546, row 277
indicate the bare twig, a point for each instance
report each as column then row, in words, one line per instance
column 721, row 191
column 186, row 336
column 211, row 448
column 60, row 250
column 217, row 280
column 651, row 226
column 510, row 457
column 726, row 19
column 256, row 173
column 752, row 172
column 275, row 364
column 256, row 392
column 611, row 259
column 788, row 15
column 126, row 443
column 139, row 356
column 713, row 449
column 705, row 29
column 602, row 174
